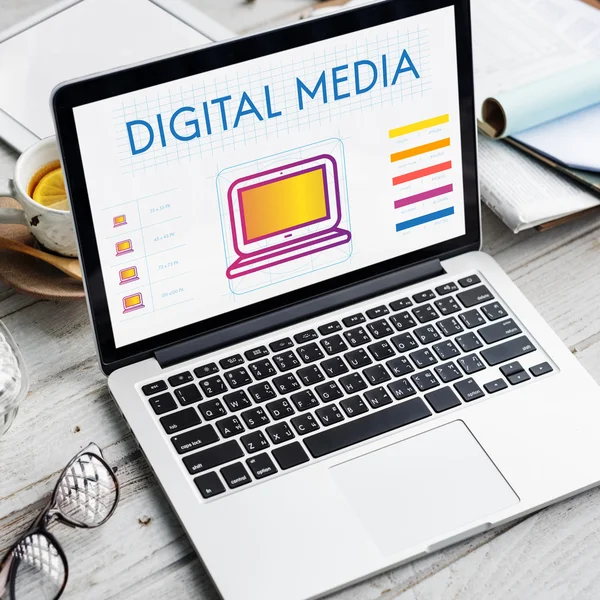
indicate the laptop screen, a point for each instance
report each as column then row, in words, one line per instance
column 230, row 187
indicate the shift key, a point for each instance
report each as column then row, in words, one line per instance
column 508, row 350
column 213, row 457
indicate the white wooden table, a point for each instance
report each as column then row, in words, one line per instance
column 142, row 552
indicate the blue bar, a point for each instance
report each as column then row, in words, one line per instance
column 434, row 216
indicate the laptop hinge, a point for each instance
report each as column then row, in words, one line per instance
column 243, row 330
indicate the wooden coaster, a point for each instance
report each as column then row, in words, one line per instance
column 30, row 275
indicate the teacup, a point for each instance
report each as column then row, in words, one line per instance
column 52, row 228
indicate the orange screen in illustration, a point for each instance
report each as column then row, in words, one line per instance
column 283, row 204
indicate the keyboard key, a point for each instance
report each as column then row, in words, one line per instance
column 474, row 296
column 449, row 326
column 508, row 350
column 180, row 379
column 472, row 318
column 401, row 389
column 509, row 369
column 495, row 386
column 255, row 417
column 448, row 372
column 401, row 304
column 253, row 442
column 311, row 375
column 381, row 350
column 354, row 320
column 354, row 406
column 212, row 409
column 400, row 366
column 237, row 400
column 380, row 329
column 209, row 485
column 468, row 389
column 180, row 420
column 261, row 465
column 306, row 336
column 235, row 475
column 376, row 374
column 446, row 350
column 370, row 426
column 403, row 321
column 334, row 366
column 423, row 296
column 329, row 391
column 256, row 353
column 163, row 403
column 195, row 439
column 310, row 353
column 469, row 281
column 154, row 388
column 494, row 311
column 206, row 370
column 281, row 344
column 279, row 433
column 213, row 386
column 286, row 361
column 329, row 328
column 378, row 397
column 261, row 392
column 353, row 383
column 212, row 457
column 541, row 369
column 358, row 358
column 231, row 361
column 447, row 288
column 290, row 456
column 447, row 306
column 334, row 345
column 468, row 342
column 280, row 409
column 188, row 394
column 304, row 400
column 427, row 334
column 261, row 369
column 499, row 331
column 471, row 364
column 379, row 311
column 517, row 378
column 229, row 426
column 423, row 358
column 404, row 342
column 328, row 415
column 425, row 380
column 238, row 377
column 442, row 399
column 425, row 313
column 304, row 424
column 286, row 383
column 357, row 336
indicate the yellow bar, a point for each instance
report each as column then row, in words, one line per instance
column 420, row 150
column 420, row 125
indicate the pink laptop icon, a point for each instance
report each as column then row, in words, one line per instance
column 124, row 247
column 133, row 302
column 127, row 275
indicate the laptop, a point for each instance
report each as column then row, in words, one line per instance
column 375, row 387
column 128, row 275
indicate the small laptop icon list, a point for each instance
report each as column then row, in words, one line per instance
column 124, row 247
column 133, row 302
column 128, row 275
column 119, row 220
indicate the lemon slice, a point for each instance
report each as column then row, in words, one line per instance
column 50, row 191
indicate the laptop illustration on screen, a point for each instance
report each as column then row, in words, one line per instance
column 285, row 213
column 133, row 302
column 127, row 275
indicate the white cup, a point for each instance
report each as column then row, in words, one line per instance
column 52, row 228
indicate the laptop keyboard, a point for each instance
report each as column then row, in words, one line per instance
column 281, row 405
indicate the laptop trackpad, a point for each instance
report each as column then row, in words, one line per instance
column 417, row 490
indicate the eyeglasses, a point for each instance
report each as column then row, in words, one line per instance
column 86, row 496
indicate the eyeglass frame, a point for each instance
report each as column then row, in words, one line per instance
column 47, row 514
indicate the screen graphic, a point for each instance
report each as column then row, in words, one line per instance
column 223, row 189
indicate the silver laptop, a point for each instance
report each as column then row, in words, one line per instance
column 280, row 239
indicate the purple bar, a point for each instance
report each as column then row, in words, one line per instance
column 446, row 189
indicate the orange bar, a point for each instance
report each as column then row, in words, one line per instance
column 420, row 150
column 422, row 173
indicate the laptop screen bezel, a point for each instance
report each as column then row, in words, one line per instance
column 70, row 95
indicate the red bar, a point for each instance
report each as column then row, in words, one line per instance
column 422, row 173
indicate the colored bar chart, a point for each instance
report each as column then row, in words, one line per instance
column 437, row 145
column 445, row 166
column 434, row 216
column 445, row 189
column 420, row 125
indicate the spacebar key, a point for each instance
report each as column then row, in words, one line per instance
column 366, row 428
column 508, row 350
